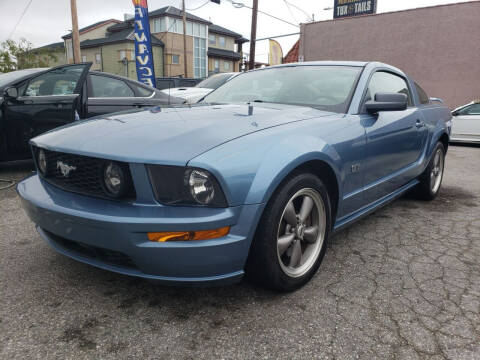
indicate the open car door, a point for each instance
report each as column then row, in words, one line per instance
column 47, row 100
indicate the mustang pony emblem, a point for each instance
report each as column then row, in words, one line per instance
column 65, row 168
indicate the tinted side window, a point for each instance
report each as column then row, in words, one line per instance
column 141, row 91
column 103, row 86
column 386, row 82
column 56, row 82
column 424, row 99
column 471, row 110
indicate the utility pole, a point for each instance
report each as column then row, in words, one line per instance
column 253, row 35
column 75, row 34
column 184, row 39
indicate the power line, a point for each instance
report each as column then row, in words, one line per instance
column 290, row 11
column 20, row 19
column 240, row 5
column 205, row 3
column 300, row 9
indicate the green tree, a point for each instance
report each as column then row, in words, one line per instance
column 21, row 55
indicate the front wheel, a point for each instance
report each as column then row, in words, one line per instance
column 431, row 178
column 290, row 241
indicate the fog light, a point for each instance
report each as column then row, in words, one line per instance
column 42, row 162
column 114, row 179
column 188, row 235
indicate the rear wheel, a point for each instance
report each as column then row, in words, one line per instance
column 431, row 178
column 290, row 241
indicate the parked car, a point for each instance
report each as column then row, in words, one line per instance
column 466, row 123
column 33, row 101
column 174, row 82
column 253, row 179
column 193, row 94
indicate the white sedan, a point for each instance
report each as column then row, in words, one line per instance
column 193, row 94
column 466, row 123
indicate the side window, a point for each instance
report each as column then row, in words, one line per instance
column 61, row 81
column 471, row 110
column 141, row 91
column 424, row 99
column 104, row 86
column 383, row 81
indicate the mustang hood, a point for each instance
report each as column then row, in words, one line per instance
column 168, row 135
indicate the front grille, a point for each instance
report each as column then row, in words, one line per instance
column 105, row 256
column 85, row 176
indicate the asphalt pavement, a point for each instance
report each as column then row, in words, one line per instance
column 403, row 283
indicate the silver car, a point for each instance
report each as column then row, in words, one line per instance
column 466, row 123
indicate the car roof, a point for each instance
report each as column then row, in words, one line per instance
column 364, row 64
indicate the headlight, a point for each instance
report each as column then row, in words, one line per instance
column 115, row 180
column 175, row 185
column 201, row 187
column 42, row 162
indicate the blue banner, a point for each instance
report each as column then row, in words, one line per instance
column 143, row 45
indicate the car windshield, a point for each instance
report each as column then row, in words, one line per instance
column 321, row 86
column 214, row 81
column 7, row 78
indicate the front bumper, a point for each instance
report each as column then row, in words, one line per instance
column 112, row 235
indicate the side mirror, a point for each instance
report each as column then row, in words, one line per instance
column 11, row 92
column 387, row 102
column 454, row 113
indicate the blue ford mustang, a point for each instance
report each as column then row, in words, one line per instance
column 251, row 180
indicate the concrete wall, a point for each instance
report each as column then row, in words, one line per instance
column 438, row 46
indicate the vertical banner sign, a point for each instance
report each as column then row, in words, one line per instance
column 345, row 8
column 143, row 45
column 275, row 55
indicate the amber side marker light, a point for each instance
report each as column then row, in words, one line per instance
column 188, row 235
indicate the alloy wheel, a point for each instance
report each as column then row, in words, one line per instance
column 437, row 171
column 301, row 232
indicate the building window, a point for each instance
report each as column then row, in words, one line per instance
column 175, row 59
column 211, row 39
column 98, row 58
column 221, row 41
column 132, row 54
column 123, row 54
column 84, row 58
column 199, row 57
column 216, row 66
column 175, row 25
column 226, row 65
column 189, row 28
column 160, row 25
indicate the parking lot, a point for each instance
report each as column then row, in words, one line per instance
column 402, row 283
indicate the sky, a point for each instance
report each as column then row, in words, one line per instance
column 46, row 21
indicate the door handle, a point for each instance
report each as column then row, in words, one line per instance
column 419, row 124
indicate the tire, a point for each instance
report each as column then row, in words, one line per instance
column 431, row 178
column 276, row 264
